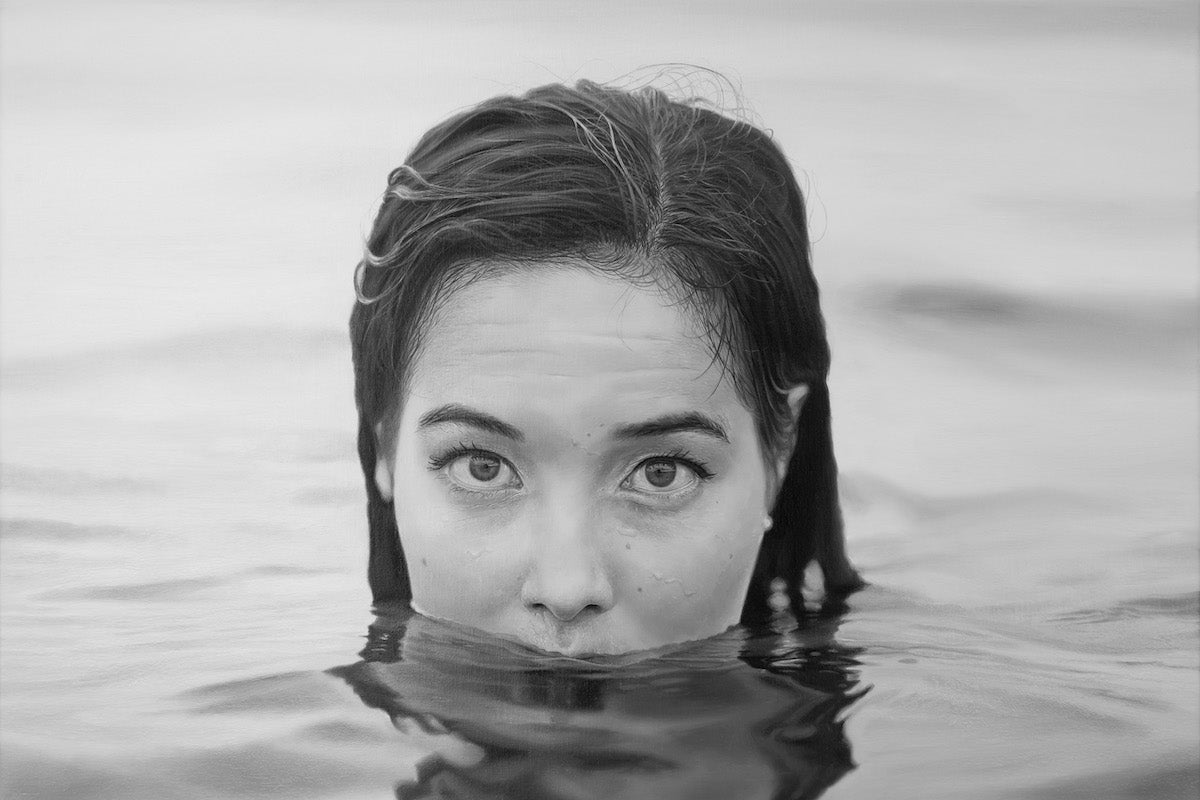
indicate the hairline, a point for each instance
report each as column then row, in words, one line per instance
column 606, row 262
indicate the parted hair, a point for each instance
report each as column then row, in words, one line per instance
column 634, row 184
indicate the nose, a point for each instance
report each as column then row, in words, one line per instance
column 567, row 576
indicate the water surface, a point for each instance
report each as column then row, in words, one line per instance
column 1004, row 205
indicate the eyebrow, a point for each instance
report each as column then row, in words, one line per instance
column 453, row 413
column 687, row 422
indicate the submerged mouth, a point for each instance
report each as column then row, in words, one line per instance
column 589, row 643
column 570, row 641
column 552, row 643
column 594, row 640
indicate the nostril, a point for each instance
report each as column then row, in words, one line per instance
column 566, row 613
column 566, row 583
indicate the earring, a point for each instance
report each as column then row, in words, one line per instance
column 767, row 522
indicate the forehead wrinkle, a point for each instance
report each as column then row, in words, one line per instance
column 481, row 327
column 492, row 316
column 593, row 352
column 539, row 330
column 629, row 290
column 624, row 299
column 689, row 386
column 517, row 362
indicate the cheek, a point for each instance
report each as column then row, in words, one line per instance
column 694, row 577
column 456, row 575
column 457, row 569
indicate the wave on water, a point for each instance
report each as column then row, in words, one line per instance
column 1185, row 604
column 49, row 530
column 198, row 348
column 1173, row 775
column 66, row 482
column 862, row 491
column 169, row 590
column 1126, row 330
column 288, row 692
column 1001, row 332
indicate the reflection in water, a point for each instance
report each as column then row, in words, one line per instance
column 746, row 714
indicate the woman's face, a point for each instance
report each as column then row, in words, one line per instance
column 571, row 469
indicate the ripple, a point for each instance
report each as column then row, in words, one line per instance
column 60, row 482
column 177, row 589
column 287, row 692
column 1186, row 604
column 287, row 569
column 220, row 347
column 1138, row 332
column 31, row 774
column 336, row 496
column 57, row 531
column 1165, row 780
column 269, row 770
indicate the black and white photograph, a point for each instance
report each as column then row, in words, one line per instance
column 542, row 400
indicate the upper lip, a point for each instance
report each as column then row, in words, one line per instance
column 572, row 639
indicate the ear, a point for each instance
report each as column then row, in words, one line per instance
column 383, row 468
column 795, row 399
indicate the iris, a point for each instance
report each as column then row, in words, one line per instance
column 484, row 468
column 660, row 473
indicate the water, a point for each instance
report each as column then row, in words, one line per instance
column 1004, row 202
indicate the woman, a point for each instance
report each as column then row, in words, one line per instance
column 590, row 372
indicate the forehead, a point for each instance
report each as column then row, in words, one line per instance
column 595, row 342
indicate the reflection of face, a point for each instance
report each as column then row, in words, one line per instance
column 696, row 722
column 572, row 470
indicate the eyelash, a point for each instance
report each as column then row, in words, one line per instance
column 684, row 457
column 460, row 449
column 678, row 454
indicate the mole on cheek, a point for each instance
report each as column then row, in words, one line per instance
column 426, row 563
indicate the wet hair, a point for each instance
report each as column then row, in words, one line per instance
column 634, row 184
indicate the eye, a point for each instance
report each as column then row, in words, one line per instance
column 480, row 470
column 662, row 475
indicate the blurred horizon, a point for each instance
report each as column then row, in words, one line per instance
column 1002, row 201
column 170, row 168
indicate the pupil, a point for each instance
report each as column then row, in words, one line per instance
column 660, row 473
column 483, row 468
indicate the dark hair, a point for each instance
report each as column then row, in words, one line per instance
column 617, row 180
